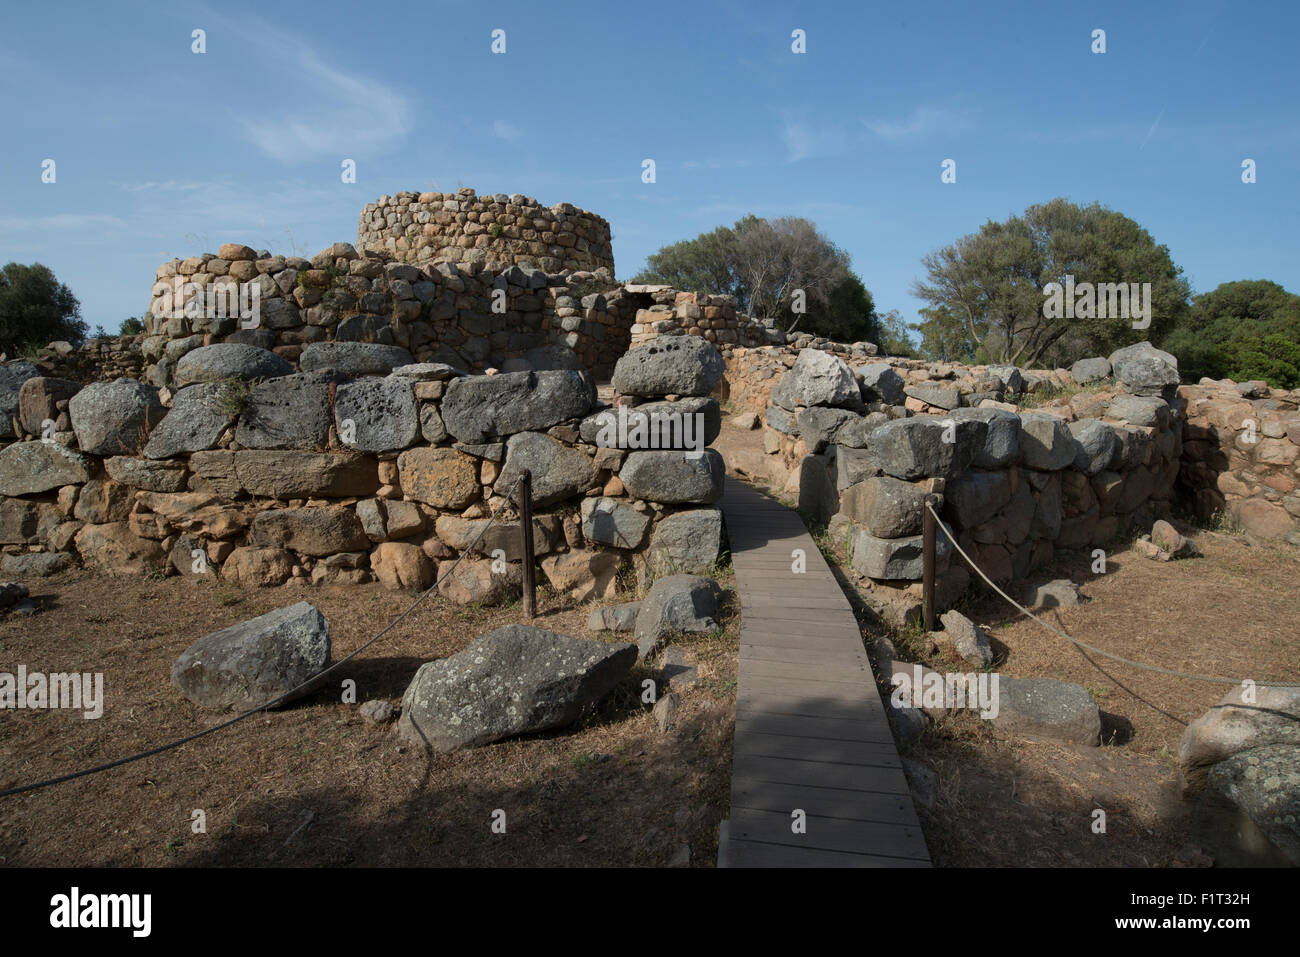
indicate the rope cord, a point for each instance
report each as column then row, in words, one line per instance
column 86, row 772
column 1081, row 644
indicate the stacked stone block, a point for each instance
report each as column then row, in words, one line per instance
column 492, row 231
column 355, row 463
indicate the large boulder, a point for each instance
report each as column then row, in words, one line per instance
column 259, row 567
column 1001, row 445
column 1145, row 370
column 692, row 422
column 288, row 412
column 1090, row 370
column 1049, row 709
column 1144, row 410
column 478, row 581
column 1249, row 813
column 402, row 566
column 608, row 521
column 674, row 477
column 19, row 521
column 818, row 378
column 926, row 446
column 229, row 360
column 820, row 426
column 935, row 394
column 27, row 468
column 12, row 376
column 895, row 559
column 1045, row 442
column 673, row 604
column 115, row 418
column 686, row 542
column 38, row 400
column 480, row 409
column 975, row 497
column 1233, row 725
column 114, row 550
column 286, row 474
column 377, row 415
column 1095, row 445
column 881, row 383
column 670, row 365
column 353, row 359
column 443, row 478
column 887, row 507
column 583, row 573
column 252, row 664
column 198, row 416
column 516, row 680
column 310, row 531
column 558, row 471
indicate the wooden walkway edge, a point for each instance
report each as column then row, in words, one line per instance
column 811, row 729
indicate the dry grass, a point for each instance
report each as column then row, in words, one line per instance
column 611, row 791
column 1006, row 802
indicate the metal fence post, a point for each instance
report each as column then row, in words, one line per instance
column 928, row 531
column 526, row 523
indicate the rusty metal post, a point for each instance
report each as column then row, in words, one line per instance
column 526, row 527
column 928, row 531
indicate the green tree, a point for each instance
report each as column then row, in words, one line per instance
column 131, row 327
column 1274, row 358
column 768, row 265
column 1247, row 311
column 36, row 309
column 986, row 290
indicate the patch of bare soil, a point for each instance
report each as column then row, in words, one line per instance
column 314, row 783
column 1232, row 613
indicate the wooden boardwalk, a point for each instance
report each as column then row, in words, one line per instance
column 811, row 730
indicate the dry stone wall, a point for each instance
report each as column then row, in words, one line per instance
column 1241, row 456
column 865, row 445
column 466, row 315
column 359, row 463
column 493, row 231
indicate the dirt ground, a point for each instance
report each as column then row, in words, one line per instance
column 315, row 783
column 987, row 799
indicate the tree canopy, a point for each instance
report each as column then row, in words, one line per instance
column 763, row 262
column 987, row 290
column 1242, row 330
column 36, row 309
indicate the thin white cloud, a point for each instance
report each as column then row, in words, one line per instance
column 923, row 121
column 1152, row 130
column 504, row 131
column 60, row 221
column 333, row 113
column 798, row 139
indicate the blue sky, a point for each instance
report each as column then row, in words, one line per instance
column 161, row 152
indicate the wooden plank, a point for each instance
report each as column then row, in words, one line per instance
column 871, row 754
column 845, row 671
column 829, row 833
column 869, row 728
column 798, row 652
column 820, row 774
column 755, row 854
column 823, row 802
